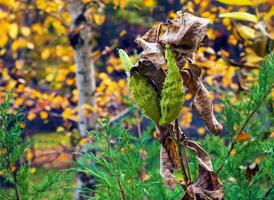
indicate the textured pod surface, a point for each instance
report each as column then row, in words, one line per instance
column 172, row 93
column 145, row 96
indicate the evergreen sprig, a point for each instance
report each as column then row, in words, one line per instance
column 246, row 165
column 14, row 166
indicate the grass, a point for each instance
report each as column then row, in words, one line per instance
column 50, row 140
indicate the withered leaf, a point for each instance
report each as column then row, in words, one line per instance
column 166, row 169
column 189, row 81
column 202, row 104
column 181, row 59
column 147, row 69
column 153, row 34
column 251, row 170
column 185, row 34
column 163, row 132
column 201, row 154
column 207, row 186
column 241, row 137
column 185, row 30
column 152, row 51
column 196, row 71
column 167, row 141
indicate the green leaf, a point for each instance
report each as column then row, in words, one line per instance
column 246, row 32
column 237, row 2
column 240, row 16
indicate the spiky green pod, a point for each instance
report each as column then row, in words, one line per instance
column 145, row 96
column 172, row 93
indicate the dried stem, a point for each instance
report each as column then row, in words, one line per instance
column 186, row 157
column 184, row 166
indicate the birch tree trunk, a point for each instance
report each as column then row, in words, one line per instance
column 80, row 37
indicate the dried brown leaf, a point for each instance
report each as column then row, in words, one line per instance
column 201, row 154
column 167, row 141
column 166, row 169
column 207, row 186
column 149, row 71
column 202, row 104
column 152, row 51
column 153, row 34
column 251, row 170
column 185, row 26
column 189, row 81
column 241, row 137
column 185, row 34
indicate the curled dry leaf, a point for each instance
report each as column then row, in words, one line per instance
column 202, row 102
column 148, row 70
column 207, row 186
column 251, row 170
column 201, row 154
column 152, row 51
column 185, row 34
column 153, row 34
column 186, row 30
column 167, row 141
column 166, row 169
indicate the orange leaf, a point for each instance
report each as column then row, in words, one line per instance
column 241, row 137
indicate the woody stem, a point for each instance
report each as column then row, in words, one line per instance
column 185, row 167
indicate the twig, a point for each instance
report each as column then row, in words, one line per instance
column 139, row 130
column 177, row 139
column 117, row 117
column 185, row 154
column 242, row 65
column 123, row 195
column 249, row 117
column 267, row 192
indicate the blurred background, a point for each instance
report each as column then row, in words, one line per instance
column 37, row 61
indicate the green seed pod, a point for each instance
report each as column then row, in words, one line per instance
column 125, row 60
column 172, row 93
column 145, row 96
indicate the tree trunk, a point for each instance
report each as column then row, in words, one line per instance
column 80, row 37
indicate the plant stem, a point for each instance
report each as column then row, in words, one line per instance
column 123, row 196
column 184, row 170
column 248, row 118
column 267, row 192
column 11, row 171
column 187, row 162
